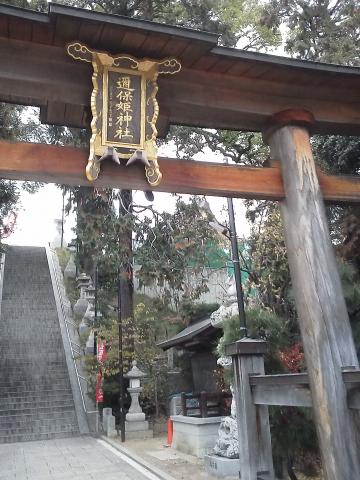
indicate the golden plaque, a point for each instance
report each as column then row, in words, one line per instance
column 124, row 108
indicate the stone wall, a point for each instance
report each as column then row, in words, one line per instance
column 217, row 283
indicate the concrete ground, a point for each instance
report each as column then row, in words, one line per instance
column 154, row 452
column 168, row 463
column 83, row 458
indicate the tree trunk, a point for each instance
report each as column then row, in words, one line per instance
column 323, row 317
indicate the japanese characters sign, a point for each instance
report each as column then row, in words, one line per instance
column 101, row 351
column 124, row 109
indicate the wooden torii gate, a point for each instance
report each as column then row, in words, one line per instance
column 218, row 87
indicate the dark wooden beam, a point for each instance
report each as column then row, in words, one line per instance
column 44, row 75
column 66, row 165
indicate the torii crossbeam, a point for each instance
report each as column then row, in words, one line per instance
column 66, row 165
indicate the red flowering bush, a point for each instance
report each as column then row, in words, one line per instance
column 292, row 358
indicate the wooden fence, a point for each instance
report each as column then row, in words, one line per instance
column 204, row 404
column 255, row 391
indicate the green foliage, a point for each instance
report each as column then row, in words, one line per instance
column 63, row 255
column 294, row 438
column 165, row 245
column 147, row 329
column 246, row 19
column 319, row 30
column 240, row 147
column 193, row 312
column 38, row 5
column 12, row 128
column 269, row 276
column 9, row 198
column 168, row 244
column 233, row 20
column 102, row 233
column 338, row 154
column 351, row 286
column 262, row 324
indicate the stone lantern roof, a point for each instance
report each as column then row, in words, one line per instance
column 135, row 372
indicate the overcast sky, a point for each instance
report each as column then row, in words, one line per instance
column 36, row 219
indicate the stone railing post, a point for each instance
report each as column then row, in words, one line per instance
column 255, row 453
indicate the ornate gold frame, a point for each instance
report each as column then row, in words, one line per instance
column 149, row 70
column 141, row 145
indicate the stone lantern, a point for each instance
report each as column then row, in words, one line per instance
column 89, row 316
column 70, row 269
column 135, row 423
column 89, row 295
column 80, row 307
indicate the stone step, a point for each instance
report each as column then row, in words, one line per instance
column 33, row 429
column 30, row 377
column 39, row 430
column 46, row 385
column 40, row 401
column 38, row 436
column 35, row 410
column 17, row 421
column 38, row 411
column 8, row 361
column 36, row 423
column 32, row 371
column 35, row 394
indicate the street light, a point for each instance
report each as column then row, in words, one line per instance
column 230, row 233
column 237, row 271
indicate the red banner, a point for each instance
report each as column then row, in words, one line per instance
column 99, row 394
column 101, row 351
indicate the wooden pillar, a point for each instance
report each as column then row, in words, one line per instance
column 255, row 455
column 324, row 323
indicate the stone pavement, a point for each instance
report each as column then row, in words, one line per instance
column 82, row 458
column 176, row 465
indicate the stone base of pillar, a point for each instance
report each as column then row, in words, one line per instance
column 138, row 430
column 140, row 435
column 136, row 426
column 135, row 417
column 221, row 467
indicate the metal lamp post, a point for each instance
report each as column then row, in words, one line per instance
column 230, row 232
column 237, row 271
column 120, row 360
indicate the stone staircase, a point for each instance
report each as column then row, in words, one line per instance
column 36, row 400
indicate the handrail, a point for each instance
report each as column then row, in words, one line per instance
column 73, row 324
column 79, row 347
column 64, row 315
column 66, row 326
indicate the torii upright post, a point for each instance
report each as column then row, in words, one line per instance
column 324, row 323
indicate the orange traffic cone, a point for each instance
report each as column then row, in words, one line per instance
column 169, row 431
